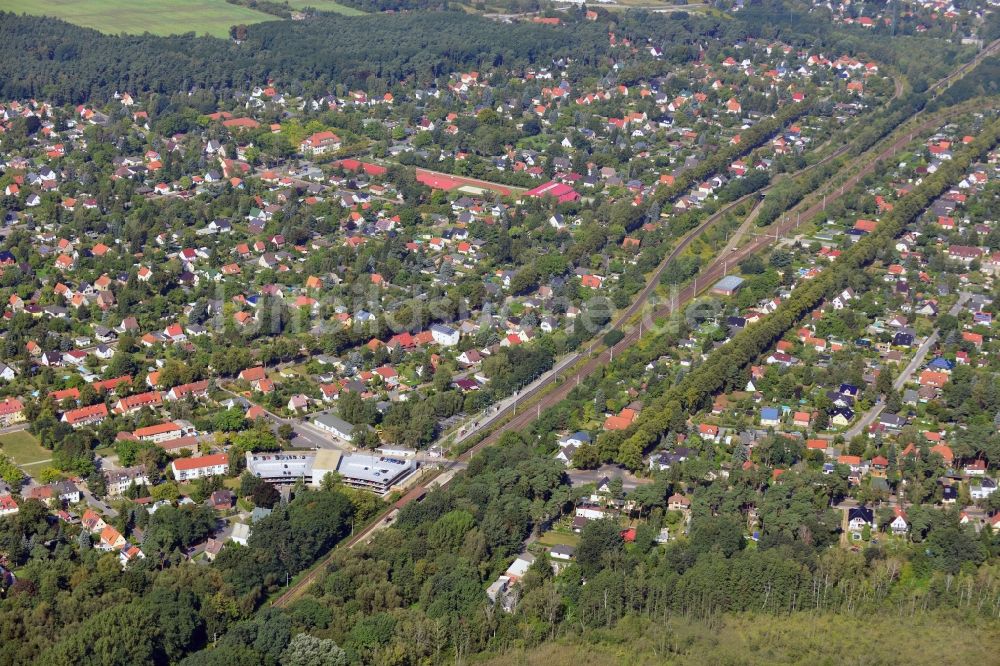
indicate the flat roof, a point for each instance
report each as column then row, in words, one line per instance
column 728, row 283
column 281, row 464
column 373, row 468
column 327, row 459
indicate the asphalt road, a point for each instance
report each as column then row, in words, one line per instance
column 581, row 477
column 918, row 360
column 306, row 435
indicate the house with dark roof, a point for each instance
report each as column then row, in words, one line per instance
column 857, row 518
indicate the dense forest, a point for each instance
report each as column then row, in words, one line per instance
column 63, row 63
column 415, row 593
column 74, row 604
column 984, row 80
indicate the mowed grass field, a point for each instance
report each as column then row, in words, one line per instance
column 160, row 17
column 23, row 448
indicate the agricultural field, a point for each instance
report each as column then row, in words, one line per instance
column 163, row 17
column 23, row 448
column 326, row 6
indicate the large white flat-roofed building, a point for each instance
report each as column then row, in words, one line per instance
column 327, row 461
column 374, row 472
column 370, row 471
column 282, row 466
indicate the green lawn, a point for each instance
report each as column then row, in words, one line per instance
column 326, row 6
column 23, row 448
column 161, row 17
column 559, row 538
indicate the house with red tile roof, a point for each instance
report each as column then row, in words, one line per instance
column 622, row 421
column 83, row 416
column 11, row 411
column 187, row 469
column 254, row 374
column 945, row 452
column 197, row 389
column 933, row 378
column 134, row 403
column 110, row 539
column 159, row 432
column 320, row 143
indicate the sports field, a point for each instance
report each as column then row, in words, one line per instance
column 160, row 17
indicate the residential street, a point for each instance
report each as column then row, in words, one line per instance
column 581, row 477
column 916, row 362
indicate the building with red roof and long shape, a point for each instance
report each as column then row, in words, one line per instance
column 562, row 192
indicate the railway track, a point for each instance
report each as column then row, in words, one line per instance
column 988, row 50
column 716, row 269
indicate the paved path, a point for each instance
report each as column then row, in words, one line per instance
column 17, row 427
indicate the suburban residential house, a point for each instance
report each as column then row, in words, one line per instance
column 7, row 373
column 8, row 506
column 446, row 336
column 899, row 524
column 857, row 519
column 240, row 533
column 11, row 412
column 84, row 416
column 160, row 432
column 110, row 539
column 569, row 444
column 591, row 511
column 129, row 553
column 320, row 143
column 298, row 403
column 92, row 521
column 187, row 469
column 194, row 389
column 60, row 491
column 770, row 416
column 119, row 480
column 621, row 421
column 134, row 403
column 982, row 488
column 677, row 502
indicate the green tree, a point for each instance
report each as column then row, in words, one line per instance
column 265, row 495
column 306, row 650
column 599, row 540
column 884, row 382
column 230, row 420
